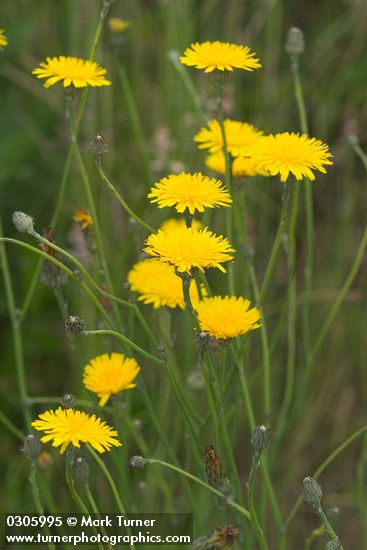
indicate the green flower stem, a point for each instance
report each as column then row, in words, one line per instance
column 219, row 412
column 121, row 201
column 360, row 487
column 65, row 175
column 325, row 522
column 16, row 330
column 189, row 85
column 11, row 427
column 228, row 173
column 353, row 142
column 332, row 456
column 133, row 111
column 97, row 35
column 90, row 200
column 36, row 497
column 209, row 488
column 259, row 533
column 314, row 535
column 291, row 319
column 71, row 274
column 277, row 243
column 127, row 341
column 71, row 486
column 192, row 419
column 307, row 190
column 212, row 408
column 252, row 424
column 94, row 507
column 264, row 343
column 110, row 480
column 186, row 283
column 333, row 312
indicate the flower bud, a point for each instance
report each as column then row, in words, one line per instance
column 68, row 401
column 137, row 462
column 32, row 446
column 75, row 324
column 202, row 341
column 23, row 222
column 312, row 491
column 81, row 470
column 333, row 544
column 295, row 44
column 98, row 146
column 260, row 438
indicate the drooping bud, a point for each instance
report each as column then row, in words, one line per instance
column 98, row 146
column 81, row 470
column 295, row 44
column 312, row 491
column 68, row 401
column 260, row 438
column 23, row 222
column 137, row 462
column 75, row 324
column 214, row 470
column 32, row 446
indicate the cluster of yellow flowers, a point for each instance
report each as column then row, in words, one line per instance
column 105, row 375
column 180, row 247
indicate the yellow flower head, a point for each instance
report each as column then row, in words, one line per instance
column 192, row 192
column 66, row 427
column 108, row 375
column 186, row 248
column 240, row 165
column 227, row 317
column 83, row 218
column 118, row 25
column 220, row 56
column 3, row 39
column 238, row 136
column 158, row 284
column 72, row 71
column 175, row 223
column 286, row 154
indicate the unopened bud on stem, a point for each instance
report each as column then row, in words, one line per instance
column 295, row 44
column 68, row 401
column 32, row 446
column 312, row 491
column 260, row 438
column 333, row 544
column 137, row 462
column 75, row 324
column 23, row 222
column 98, row 146
column 81, row 470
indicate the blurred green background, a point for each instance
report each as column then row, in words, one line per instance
column 33, row 148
